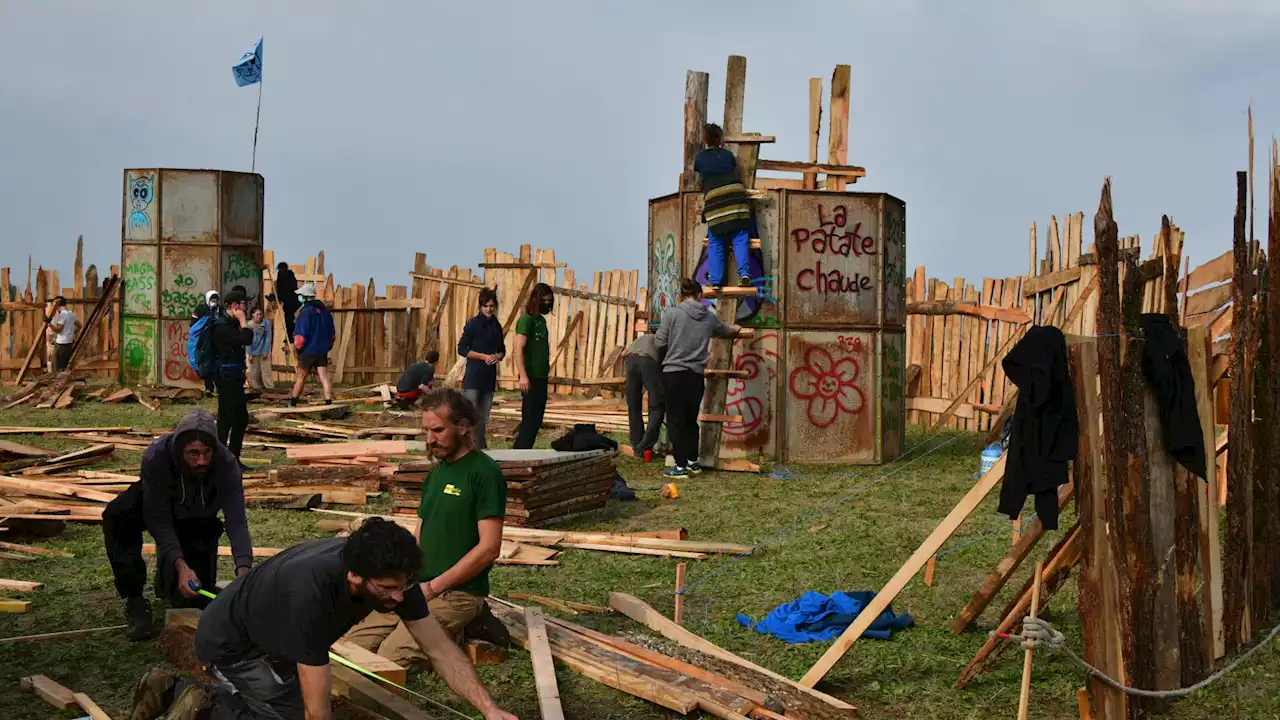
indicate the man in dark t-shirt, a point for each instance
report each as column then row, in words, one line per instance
column 265, row 639
column 417, row 379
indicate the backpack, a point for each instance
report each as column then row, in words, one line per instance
column 200, row 354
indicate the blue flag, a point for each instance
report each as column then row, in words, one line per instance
column 248, row 71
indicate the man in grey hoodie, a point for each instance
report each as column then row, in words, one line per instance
column 187, row 477
column 685, row 334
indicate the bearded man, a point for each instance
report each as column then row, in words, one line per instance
column 464, row 500
column 265, row 639
column 187, row 478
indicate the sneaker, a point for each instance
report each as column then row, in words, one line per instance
column 744, row 281
column 695, row 468
column 152, row 695
column 328, row 401
column 137, row 612
column 293, row 402
column 676, row 472
column 189, row 703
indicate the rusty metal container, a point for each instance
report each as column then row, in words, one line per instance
column 826, row 370
column 183, row 232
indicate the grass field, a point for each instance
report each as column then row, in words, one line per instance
column 818, row 531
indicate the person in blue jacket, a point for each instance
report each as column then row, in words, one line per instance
column 313, row 336
column 482, row 345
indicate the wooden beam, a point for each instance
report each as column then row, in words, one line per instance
column 544, row 671
column 371, row 661
column 914, row 564
column 696, row 88
column 748, row 139
column 88, row 705
column 15, row 607
column 49, row 691
column 989, row 312
column 838, row 133
column 844, row 171
column 1036, row 285
column 810, row 180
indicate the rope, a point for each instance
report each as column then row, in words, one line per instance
column 1038, row 633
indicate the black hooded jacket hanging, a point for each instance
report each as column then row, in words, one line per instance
column 1168, row 374
column 1045, row 433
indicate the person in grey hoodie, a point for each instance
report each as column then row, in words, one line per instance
column 643, row 363
column 187, row 477
column 685, row 334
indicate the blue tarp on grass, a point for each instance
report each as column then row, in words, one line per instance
column 815, row 617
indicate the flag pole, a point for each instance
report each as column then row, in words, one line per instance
column 254, row 163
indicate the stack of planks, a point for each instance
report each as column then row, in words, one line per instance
column 543, row 486
column 713, row 681
column 37, row 494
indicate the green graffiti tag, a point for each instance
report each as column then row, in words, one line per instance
column 137, row 356
column 238, row 269
column 895, row 264
column 893, row 388
column 178, row 303
column 139, row 287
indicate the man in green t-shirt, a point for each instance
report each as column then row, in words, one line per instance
column 464, row 500
column 533, row 363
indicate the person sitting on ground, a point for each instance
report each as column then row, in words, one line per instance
column 230, row 338
column 187, row 478
column 314, row 337
column 464, row 500
column 643, row 365
column 482, row 345
column 265, row 639
column 260, row 351
column 63, row 324
column 725, row 207
column 417, row 379
column 684, row 335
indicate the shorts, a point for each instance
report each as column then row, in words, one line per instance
column 311, row 362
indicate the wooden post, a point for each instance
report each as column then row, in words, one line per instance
column 929, row 570
column 838, row 137
column 1017, row 531
column 678, row 614
column 1238, row 547
column 1271, row 427
column 695, row 116
column 1082, row 704
column 1024, row 697
column 815, row 130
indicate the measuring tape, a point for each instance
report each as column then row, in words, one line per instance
column 369, row 673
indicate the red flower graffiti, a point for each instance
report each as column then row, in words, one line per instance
column 827, row 385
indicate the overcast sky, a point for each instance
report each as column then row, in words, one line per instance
column 447, row 127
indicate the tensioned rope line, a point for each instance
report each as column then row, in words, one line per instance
column 823, row 509
column 1037, row 633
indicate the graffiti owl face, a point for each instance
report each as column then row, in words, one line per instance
column 141, row 192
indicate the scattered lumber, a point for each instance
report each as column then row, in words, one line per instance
column 29, row 430
column 57, row 635
column 49, row 691
column 120, row 396
column 23, row 486
column 223, row 551
column 371, row 448
column 569, row 606
column 16, row 449
column 91, row 707
column 34, row 550
column 373, row 662
column 636, row 609
column 544, row 672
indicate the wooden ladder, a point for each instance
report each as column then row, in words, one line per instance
column 719, row 371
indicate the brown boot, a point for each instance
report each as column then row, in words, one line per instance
column 151, row 695
column 189, row 703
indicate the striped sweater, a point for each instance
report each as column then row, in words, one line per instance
column 724, row 202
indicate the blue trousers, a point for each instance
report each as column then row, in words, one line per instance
column 715, row 255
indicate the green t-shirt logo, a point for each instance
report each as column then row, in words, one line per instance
column 451, row 489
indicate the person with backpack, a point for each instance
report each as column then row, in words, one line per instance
column 314, row 335
column 726, row 209
column 228, row 340
column 206, row 309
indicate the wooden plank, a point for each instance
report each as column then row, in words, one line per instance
column 1024, row 696
column 1216, row 270
column 15, row 607
column 1161, row 489
column 52, row 489
column 914, row 564
column 638, row 610
column 544, row 671
column 347, row 450
column 1210, row 538
column 838, row 133
column 695, row 117
column 1238, row 545
column 35, row 550
column 49, row 691
column 633, row 550
column 1044, row 283
column 842, row 171
column 1210, row 299
column 88, row 705
column 373, row 695
column 987, row 312
column 372, row 662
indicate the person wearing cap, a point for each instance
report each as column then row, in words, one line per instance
column 313, row 336
column 63, row 324
column 230, row 338
column 187, row 477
